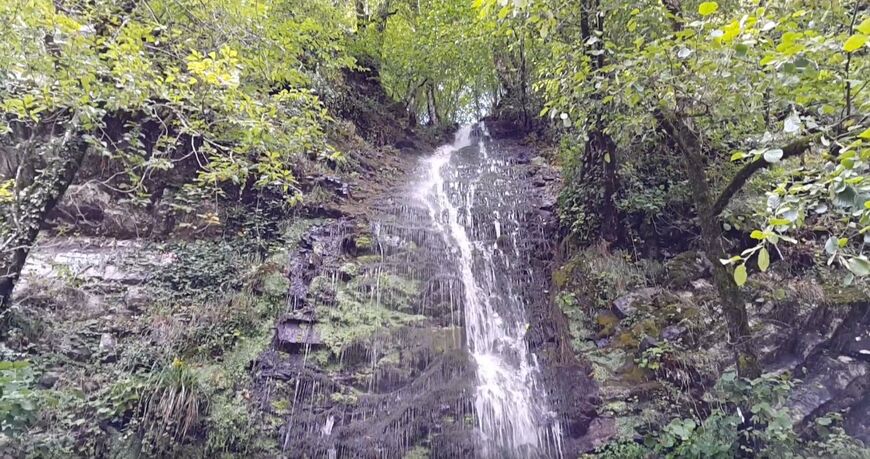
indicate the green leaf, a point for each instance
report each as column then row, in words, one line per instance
column 864, row 27
column 763, row 259
column 779, row 221
column 740, row 275
column 854, row 43
column 708, row 8
column 738, row 155
column 757, row 234
column 865, row 135
column 860, row 266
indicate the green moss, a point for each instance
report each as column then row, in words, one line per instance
column 281, row 405
column 683, row 269
column 352, row 321
column 607, row 323
column 321, row 290
column 418, row 452
column 840, row 296
column 630, row 339
column 368, row 259
column 344, row 399
column 229, row 426
column 349, row 269
column 275, row 284
column 615, row 408
column 562, row 275
column 293, row 233
column 678, row 312
column 364, row 242
column 606, row 363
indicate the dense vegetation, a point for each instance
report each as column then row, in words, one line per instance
column 738, row 128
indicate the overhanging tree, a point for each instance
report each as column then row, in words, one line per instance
column 148, row 84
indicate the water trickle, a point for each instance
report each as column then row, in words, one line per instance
column 465, row 185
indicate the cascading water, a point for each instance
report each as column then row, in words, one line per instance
column 473, row 203
column 432, row 314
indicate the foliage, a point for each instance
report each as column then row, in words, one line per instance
column 724, row 433
column 219, row 96
column 202, row 267
column 436, row 57
column 230, row 428
column 214, row 93
column 17, row 399
column 752, row 80
column 173, row 405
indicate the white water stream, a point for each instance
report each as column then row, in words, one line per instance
column 464, row 190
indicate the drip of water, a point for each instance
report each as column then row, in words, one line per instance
column 473, row 206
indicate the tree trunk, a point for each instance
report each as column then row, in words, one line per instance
column 433, row 109
column 711, row 240
column 524, row 97
column 600, row 156
column 599, row 172
column 40, row 182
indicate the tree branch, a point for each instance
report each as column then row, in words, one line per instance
column 796, row 148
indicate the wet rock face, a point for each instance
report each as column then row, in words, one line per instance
column 385, row 369
column 93, row 211
column 369, row 359
column 571, row 392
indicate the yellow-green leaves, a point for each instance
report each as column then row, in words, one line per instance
column 222, row 70
column 859, row 39
column 6, row 188
column 730, row 32
column 707, row 8
column 740, row 275
column 790, row 44
column 763, row 259
column 855, row 42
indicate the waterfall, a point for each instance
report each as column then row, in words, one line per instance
column 473, row 204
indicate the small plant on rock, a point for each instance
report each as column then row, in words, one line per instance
column 175, row 403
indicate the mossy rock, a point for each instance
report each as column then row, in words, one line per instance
column 683, row 269
column 630, row 339
column 606, row 362
column 632, row 374
column 364, row 242
column 562, row 275
column 606, row 322
column 675, row 313
column 844, row 297
column 275, row 284
column 348, row 271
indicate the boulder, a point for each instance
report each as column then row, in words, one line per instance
column 626, row 305
column 685, row 268
column 93, row 211
column 48, row 379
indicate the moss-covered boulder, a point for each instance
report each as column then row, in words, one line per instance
column 685, row 268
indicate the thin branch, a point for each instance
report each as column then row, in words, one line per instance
column 796, row 148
